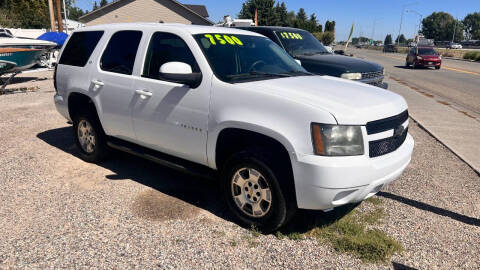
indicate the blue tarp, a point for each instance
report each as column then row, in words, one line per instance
column 57, row 37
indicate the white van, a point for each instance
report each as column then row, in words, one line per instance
column 231, row 104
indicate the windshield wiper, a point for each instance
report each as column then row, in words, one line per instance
column 257, row 73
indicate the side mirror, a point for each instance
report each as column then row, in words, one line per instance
column 179, row 72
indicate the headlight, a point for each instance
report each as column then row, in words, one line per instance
column 419, row 58
column 351, row 76
column 335, row 140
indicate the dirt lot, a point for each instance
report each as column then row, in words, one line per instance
column 58, row 211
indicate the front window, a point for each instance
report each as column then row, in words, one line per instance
column 301, row 43
column 240, row 58
column 426, row 51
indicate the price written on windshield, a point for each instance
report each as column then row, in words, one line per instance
column 290, row 35
column 223, row 39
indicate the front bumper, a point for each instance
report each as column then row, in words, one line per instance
column 325, row 182
column 428, row 63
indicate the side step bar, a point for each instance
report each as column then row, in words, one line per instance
column 163, row 159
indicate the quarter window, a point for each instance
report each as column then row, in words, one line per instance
column 164, row 48
column 119, row 56
column 79, row 48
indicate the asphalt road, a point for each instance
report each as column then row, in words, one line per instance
column 456, row 83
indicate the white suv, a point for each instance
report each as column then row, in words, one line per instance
column 231, row 103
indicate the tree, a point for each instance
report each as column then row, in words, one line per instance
column 281, row 13
column 291, row 18
column 330, row 26
column 441, row 26
column 388, row 40
column 326, row 38
column 402, row 40
column 74, row 13
column 24, row 14
column 301, row 15
column 265, row 8
column 103, row 3
column 471, row 23
column 95, row 6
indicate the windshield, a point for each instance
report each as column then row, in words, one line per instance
column 301, row 43
column 426, row 51
column 237, row 58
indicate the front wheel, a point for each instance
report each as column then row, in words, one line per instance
column 437, row 67
column 253, row 192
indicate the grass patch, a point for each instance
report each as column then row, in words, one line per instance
column 349, row 234
column 296, row 236
column 254, row 231
column 472, row 56
column 373, row 217
column 233, row 243
column 374, row 200
column 279, row 235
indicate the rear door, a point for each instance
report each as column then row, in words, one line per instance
column 112, row 83
column 167, row 116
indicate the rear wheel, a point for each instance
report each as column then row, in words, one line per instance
column 251, row 185
column 89, row 137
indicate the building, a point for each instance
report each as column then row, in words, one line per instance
column 168, row 11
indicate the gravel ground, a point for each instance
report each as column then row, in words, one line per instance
column 60, row 212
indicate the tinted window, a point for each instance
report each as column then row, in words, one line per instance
column 119, row 56
column 300, row 43
column 163, row 48
column 80, row 47
column 426, row 51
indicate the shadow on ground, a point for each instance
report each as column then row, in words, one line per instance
column 196, row 191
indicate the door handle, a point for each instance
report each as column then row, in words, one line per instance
column 143, row 92
column 98, row 83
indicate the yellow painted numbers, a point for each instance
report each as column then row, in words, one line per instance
column 223, row 39
column 290, row 35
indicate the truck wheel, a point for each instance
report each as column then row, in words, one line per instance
column 89, row 138
column 251, row 187
column 437, row 67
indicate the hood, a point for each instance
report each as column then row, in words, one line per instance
column 351, row 103
column 335, row 65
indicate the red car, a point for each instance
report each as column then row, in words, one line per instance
column 423, row 57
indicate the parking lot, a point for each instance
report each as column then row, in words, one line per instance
column 58, row 211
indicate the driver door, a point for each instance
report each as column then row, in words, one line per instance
column 170, row 117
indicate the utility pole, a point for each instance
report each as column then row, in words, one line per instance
column 400, row 28
column 65, row 15
column 52, row 16
column 454, row 28
column 59, row 16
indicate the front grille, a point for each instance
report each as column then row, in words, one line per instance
column 372, row 75
column 385, row 124
column 387, row 145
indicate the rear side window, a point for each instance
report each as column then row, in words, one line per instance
column 79, row 48
column 119, row 56
column 164, row 48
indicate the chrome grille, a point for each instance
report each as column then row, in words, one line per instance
column 372, row 75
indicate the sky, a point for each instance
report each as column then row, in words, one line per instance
column 375, row 18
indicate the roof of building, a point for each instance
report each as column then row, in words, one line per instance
column 194, row 9
column 199, row 9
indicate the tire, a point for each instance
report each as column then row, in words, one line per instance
column 406, row 64
column 437, row 67
column 90, row 137
column 414, row 66
column 239, row 174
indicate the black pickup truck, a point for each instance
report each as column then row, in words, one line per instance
column 315, row 58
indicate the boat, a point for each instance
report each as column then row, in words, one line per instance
column 10, row 41
column 23, row 58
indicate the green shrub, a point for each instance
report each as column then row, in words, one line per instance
column 472, row 56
